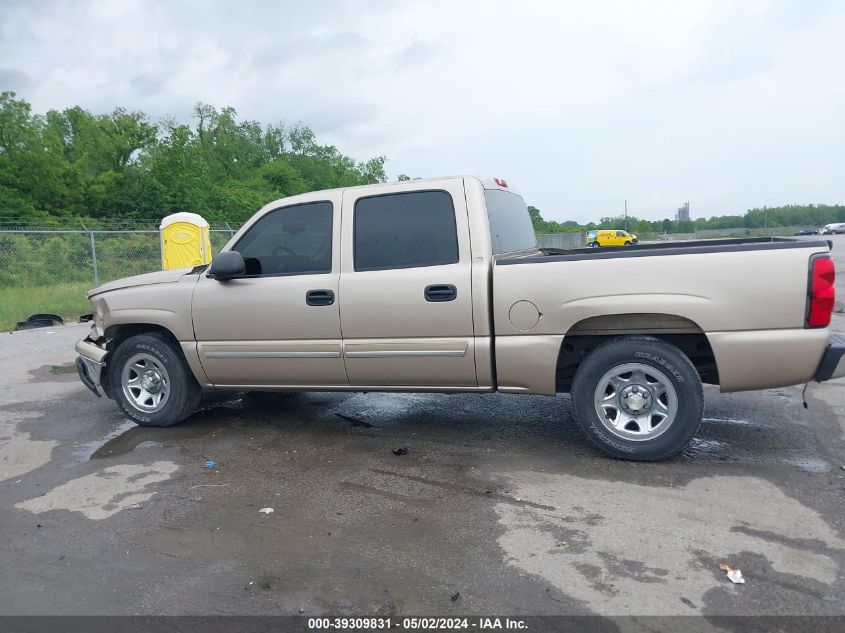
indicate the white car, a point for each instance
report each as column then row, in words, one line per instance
column 836, row 227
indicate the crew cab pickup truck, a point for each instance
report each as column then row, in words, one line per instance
column 438, row 285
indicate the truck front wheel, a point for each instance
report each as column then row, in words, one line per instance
column 637, row 398
column 151, row 382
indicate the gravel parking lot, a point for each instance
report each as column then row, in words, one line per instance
column 499, row 506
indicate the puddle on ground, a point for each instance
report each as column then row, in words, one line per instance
column 808, row 464
column 354, row 421
column 64, row 372
column 779, row 394
column 215, row 413
column 66, row 368
column 701, row 449
column 706, row 446
column 132, row 436
column 726, row 421
column 373, row 410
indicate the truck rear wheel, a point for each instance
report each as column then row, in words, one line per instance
column 151, row 381
column 637, row 398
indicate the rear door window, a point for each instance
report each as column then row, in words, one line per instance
column 405, row 230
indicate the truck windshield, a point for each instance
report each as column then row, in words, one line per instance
column 510, row 225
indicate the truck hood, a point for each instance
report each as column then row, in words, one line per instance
column 160, row 277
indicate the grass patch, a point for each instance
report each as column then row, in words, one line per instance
column 66, row 300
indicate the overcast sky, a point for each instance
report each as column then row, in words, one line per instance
column 579, row 105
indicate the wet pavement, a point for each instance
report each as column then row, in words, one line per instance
column 499, row 501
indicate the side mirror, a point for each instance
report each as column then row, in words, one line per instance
column 227, row 265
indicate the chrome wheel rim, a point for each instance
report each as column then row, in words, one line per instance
column 636, row 402
column 145, row 383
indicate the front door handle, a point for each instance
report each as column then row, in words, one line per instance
column 319, row 297
column 441, row 292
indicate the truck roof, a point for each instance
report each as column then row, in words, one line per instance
column 487, row 182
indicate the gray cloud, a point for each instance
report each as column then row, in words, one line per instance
column 15, row 80
column 150, row 82
column 414, row 53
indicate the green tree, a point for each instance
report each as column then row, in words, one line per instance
column 73, row 163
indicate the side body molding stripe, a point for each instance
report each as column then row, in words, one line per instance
column 408, row 352
column 406, row 348
column 272, row 354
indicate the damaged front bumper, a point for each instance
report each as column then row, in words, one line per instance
column 833, row 361
column 90, row 365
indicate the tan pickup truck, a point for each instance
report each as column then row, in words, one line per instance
column 438, row 285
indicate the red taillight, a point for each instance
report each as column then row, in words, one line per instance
column 822, row 293
column 500, row 182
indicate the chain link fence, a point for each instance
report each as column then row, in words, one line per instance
column 565, row 241
column 49, row 269
column 45, row 257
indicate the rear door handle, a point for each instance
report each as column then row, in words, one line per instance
column 441, row 292
column 319, row 297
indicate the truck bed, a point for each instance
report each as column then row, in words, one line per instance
column 668, row 248
column 748, row 297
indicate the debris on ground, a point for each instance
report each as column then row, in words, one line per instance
column 209, row 463
column 400, row 451
column 560, row 543
column 134, row 506
column 266, row 510
column 549, row 594
column 734, row 575
column 40, row 320
column 455, row 596
column 688, row 602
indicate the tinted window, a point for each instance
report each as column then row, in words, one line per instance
column 290, row 241
column 621, row 234
column 510, row 225
column 405, row 230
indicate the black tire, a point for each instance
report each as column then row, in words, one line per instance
column 627, row 243
column 651, row 352
column 595, row 245
column 184, row 392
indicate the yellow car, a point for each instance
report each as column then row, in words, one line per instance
column 601, row 237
